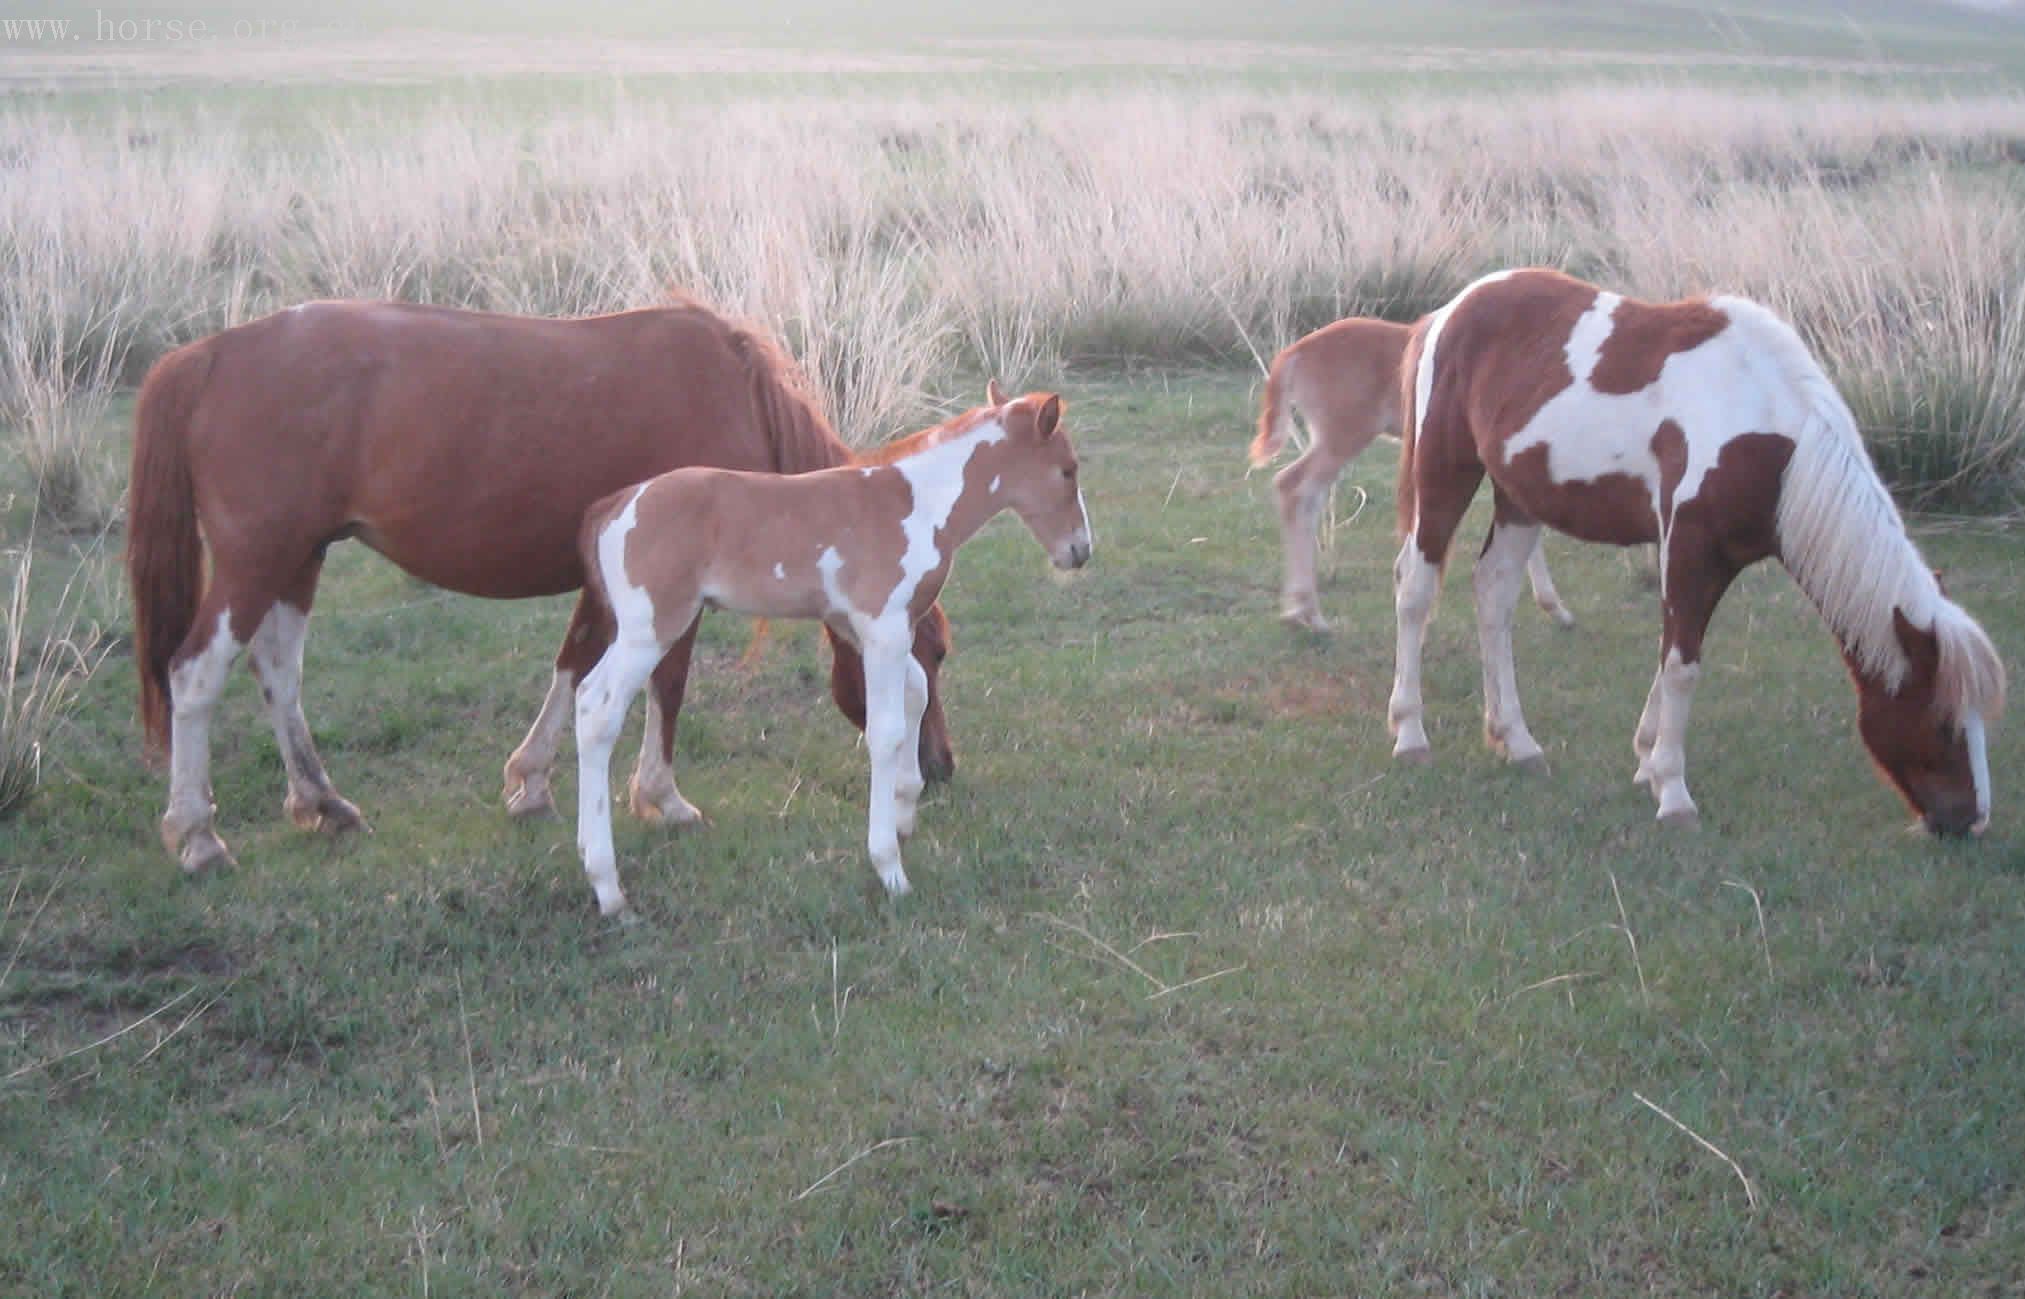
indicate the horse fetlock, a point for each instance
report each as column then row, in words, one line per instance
column 193, row 843
column 529, row 796
column 323, row 810
column 661, row 803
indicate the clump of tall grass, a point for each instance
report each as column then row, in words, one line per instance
column 40, row 675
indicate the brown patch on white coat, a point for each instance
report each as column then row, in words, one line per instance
column 864, row 549
column 1343, row 379
column 1704, row 426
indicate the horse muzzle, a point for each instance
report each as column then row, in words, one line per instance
column 1075, row 556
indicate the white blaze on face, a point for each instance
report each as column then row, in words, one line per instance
column 779, row 573
column 994, row 484
column 1979, row 767
column 632, row 606
column 935, row 477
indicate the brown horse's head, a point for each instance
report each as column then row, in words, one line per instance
column 1926, row 736
column 1040, row 475
column 932, row 644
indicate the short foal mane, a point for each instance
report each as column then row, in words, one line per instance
column 1844, row 541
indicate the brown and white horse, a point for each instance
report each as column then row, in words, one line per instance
column 1704, row 426
column 866, row 550
column 1343, row 379
column 464, row 447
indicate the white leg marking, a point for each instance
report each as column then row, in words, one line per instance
column 1544, row 593
column 1415, row 583
column 1498, row 573
column 276, row 654
column 528, row 768
column 194, row 687
column 1667, row 766
column 601, row 714
column 1303, row 489
column 908, row 785
column 653, row 795
column 886, row 653
column 1647, row 733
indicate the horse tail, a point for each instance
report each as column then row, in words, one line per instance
column 1409, row 427
column 1276, row 415
column 789, row 415
column 165, row 554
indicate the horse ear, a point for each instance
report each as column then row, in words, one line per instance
column 1922, row 648
column 993, row 394
column 1940, row 582
column 1050, row 417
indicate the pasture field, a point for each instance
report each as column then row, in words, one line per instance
column 1430, row 999
column 1196, row 993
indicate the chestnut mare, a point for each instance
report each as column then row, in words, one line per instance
column 1343, row 379
column 1707, row 427
column 866, row 550
column 465, row 448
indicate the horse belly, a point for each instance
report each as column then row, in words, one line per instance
column 1607, row 506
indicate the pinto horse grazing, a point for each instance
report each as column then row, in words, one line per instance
column 465, row 448
column 1343, row 379
column 1704, row 426
column 865, row 550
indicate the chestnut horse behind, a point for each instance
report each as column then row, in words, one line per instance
column 865, row 550
column 1704, row 426
column 1343, row 379
column 465, row 448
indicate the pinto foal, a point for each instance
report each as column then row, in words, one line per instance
column 1704, row 426
column 865, row 549
column 1343, row 379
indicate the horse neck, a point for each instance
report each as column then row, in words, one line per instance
column 955, row 478
column 1845, row 544
column 792, row 423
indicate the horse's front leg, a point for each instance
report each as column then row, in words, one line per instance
column 1498, row 573
column 601, row 714
column 908, row 785
column 1695, row 576
column 653, row 795
column 886, row 734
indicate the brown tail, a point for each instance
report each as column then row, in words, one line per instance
column 1275, row 420
column 1409, row 423
column 165, row 555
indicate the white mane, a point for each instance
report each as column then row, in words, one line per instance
column 1843, row 540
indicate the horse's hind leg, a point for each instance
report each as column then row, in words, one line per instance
column 197, row 675
column 528, row 769
column 1544, row 593
column 1303, row 490
column 1499, row 570
column 1416, row 580
column 652, row 795
column 275, row 655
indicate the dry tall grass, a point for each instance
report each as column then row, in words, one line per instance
column 41, row 672
column 895, row 244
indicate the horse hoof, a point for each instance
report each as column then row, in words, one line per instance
column 1562, row 618
column 1533, row 764
column 1305, row 620
column 615, row 908
column 529, row 801
column 1415, row 757
column 1683, row 818
column 203, row 851
column 672, row 811
column 334, row 816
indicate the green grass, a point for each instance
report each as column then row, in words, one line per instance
column 416, row 1062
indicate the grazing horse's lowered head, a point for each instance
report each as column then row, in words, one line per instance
column 1926, row 734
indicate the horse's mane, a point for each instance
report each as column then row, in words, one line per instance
column 789, row 412
column 1845, row 543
